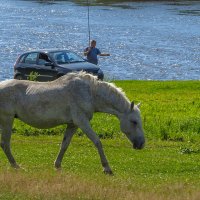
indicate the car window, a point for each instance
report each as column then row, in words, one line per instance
column 60, row 57
column 21, row 59
column 43, row 58
column 31, row 58
column 63, row 57
column 74, row 57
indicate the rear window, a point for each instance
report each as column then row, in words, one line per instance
column 21, row 59
column 31, row 58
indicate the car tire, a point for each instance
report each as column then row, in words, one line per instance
column 19, row 77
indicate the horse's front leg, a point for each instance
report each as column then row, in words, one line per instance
column 83, row 123
column 5, row 143
column 71, row 129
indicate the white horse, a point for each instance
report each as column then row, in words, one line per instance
column 72, row 100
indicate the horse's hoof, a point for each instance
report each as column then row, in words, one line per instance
column 108, row 172
column 59, row 169
column 15, row 166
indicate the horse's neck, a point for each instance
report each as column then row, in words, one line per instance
column 111, row 100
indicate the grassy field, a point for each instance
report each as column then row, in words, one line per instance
column 167, row 168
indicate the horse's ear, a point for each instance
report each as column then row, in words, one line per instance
column 138, row 105
column 132, row 105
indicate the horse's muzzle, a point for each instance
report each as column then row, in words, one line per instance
column 139, row 144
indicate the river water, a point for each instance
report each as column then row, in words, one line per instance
column 146, row 40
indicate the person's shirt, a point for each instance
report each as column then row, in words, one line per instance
column 92, row 55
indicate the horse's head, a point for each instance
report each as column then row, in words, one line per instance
column 131, row 125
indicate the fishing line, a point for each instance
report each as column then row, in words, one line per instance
column 88, row 6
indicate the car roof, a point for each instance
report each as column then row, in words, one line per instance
column 45, row 50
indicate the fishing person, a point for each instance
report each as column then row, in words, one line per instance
column 92, row 53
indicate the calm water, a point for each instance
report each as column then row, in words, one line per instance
column 146, row 40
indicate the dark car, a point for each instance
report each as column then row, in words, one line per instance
column 49, row 65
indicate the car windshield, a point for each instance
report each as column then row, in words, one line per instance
column 64, row 57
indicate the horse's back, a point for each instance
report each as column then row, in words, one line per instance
column 46, row 104
column 8, row 88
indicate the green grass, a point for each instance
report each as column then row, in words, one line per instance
column 170, row 111
column 162, row 169
column 167, row 168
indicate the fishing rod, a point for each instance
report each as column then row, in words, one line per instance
column 88, row 17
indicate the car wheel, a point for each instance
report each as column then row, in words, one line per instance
column 19, row 77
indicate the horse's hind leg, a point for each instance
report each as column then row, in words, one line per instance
column 5, row 143
column 71, row 129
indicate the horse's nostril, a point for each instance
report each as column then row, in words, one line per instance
column 138, row 145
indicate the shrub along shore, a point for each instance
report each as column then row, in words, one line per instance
column 167, row 168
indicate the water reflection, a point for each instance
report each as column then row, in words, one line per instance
column 181, row 3
column 48, row 2
column 124, row 4
column 189, row 12
column 181, row 8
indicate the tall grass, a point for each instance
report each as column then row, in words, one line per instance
column 56, row 187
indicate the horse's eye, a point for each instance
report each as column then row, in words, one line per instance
column 134, row 122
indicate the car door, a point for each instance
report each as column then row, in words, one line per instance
column 28, row 65
column 46, row 68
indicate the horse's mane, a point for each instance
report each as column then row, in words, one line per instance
column 104, row 89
